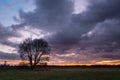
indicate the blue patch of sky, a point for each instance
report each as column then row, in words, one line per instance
column 10, row 8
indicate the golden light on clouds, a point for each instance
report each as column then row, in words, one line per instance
column 111, row 62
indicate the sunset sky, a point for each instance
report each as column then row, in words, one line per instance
column 78, row 31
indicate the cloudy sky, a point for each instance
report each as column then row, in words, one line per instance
column 79, row 31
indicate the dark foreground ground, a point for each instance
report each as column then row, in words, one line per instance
column 61, row 73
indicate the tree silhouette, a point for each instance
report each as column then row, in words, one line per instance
column 34, row 50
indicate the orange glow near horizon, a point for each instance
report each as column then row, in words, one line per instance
column 10, row 62
column 111, row 62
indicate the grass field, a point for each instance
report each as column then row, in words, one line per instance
column 61, row 74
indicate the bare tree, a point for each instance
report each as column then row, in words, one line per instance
column 33, row 50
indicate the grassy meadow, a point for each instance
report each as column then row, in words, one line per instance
column 61, row 73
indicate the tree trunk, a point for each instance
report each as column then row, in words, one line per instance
column 31, row 64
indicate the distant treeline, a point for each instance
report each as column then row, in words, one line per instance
column 58, row 66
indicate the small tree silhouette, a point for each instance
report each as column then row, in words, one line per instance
column 5, row 63
column 33, row 50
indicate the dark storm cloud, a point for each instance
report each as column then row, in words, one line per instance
column 113, row 55
column 98, row 11
column 106, row 32
column 6, row 33
column 55, row 16
column 102, row 20
column 100, row 17
column 49, row 14
column 97, row 26
column 9, row 56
